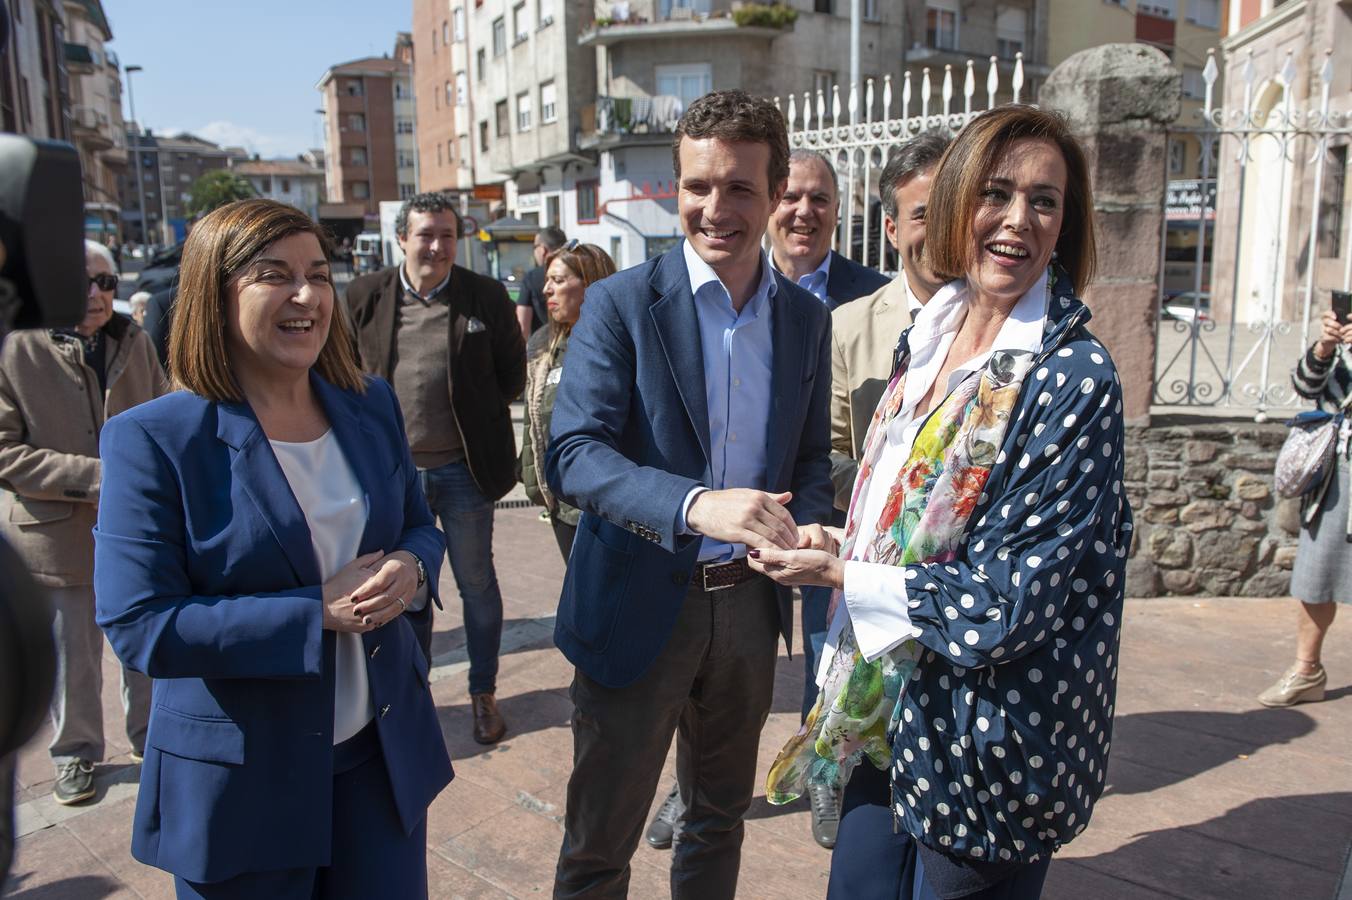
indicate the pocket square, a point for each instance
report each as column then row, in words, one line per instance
column 475, row 326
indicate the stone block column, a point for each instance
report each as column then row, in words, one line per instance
column 1119, row 99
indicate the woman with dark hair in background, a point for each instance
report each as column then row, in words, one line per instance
column 969, row 677
column 569, row 270
column 262, row 542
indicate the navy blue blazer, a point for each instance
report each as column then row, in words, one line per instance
column 630, row 439
column 847, row 280
column 206, row 580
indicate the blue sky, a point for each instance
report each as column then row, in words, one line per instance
column 243, row 72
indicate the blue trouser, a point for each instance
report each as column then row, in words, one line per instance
column 874, row 861
column 371, row 855
column 467, row 518
column 816, row 601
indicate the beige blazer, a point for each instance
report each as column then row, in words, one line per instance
column 50, row 418
column 864, row 334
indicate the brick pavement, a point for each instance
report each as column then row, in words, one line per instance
column 1210, row 795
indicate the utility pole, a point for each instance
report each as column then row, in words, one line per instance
column 136, row 165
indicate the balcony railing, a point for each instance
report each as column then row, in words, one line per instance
column 622, row 116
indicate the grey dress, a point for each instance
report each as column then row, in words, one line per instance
column 1323, row 569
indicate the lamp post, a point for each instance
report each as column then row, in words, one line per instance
column 136, row 151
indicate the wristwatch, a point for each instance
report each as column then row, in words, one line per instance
column 422, row 570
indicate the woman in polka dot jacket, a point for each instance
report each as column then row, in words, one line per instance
column 982, row 569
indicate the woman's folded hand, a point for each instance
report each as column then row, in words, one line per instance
column 798, row 567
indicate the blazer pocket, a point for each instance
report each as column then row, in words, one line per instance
column 27, row 511
column 596, row 604
column 194, row 737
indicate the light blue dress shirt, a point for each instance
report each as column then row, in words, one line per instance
column 814, row 282
column 738, row 351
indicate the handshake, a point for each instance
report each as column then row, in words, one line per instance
column 789, row 553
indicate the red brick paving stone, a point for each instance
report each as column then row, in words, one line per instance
column 104, row 832
column 461, row 806
column 447, row 881
column 516, row 851
column 52, row 863
column 1068, row 880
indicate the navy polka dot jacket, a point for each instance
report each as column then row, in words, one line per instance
column 1003, row 732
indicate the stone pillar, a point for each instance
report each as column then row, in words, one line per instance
column 1119, row 99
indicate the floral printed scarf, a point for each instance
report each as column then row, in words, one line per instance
column 923, row 521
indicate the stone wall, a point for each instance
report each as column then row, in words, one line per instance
column 1207, row 521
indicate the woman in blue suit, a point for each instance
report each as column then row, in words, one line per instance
column 261, row 543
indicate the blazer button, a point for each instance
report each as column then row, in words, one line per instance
column 374, row 651
column 384, row 709
column 680, row 579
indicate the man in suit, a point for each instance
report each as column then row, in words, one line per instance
column 864, row 334
column 447, row 341
column 531, row 312
column 801, row 230
column 690, row 427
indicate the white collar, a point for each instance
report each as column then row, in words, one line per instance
column 913, row 303
column 937, row 325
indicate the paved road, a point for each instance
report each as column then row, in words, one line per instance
column 1210, row 795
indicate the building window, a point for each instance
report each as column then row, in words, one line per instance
column 502, row 119
column 1205, row 13
column 587, row 202
column 450, row 152
column 543, row 16
column 941, row 26
column 483, row 136
column 405, row 160
column 1194, row 86
column 552, row 211
column 403, row 126
column 458, row 23
column 1331, row 203
column 286, row 185
column 520, row 22
column 1166, row 9
column 480, row 65
column 523, row 111
column 461, row 89
column 356, row 122
column 462, row 150
column 689, row 81
column 1178, row 157
column 548, row 103
column 399, row 91
column 449, row 95
column 445, row 32
column 360, row 190
column 499, row 36
column 822, row 6
column 440, row 159
column 434, row 41
column 406, row 190
column 353, row 88
column 1011, row 28
column 823, row 82
column 870, row 10
column 357, row 156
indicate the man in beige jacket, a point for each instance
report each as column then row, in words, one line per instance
column 57, row 388
column 864, row 333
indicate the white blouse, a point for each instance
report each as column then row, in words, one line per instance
column 334, row 505
column 875, row 593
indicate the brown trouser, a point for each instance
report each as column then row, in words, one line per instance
column 712, row 686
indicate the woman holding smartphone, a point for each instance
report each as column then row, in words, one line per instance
column 1322, row 575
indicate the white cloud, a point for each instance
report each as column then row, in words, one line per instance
column 230, row 134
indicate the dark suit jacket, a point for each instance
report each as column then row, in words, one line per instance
column 631, row 439
column 533, row 295
column 847, row 280
column 487, row 365
column 159, row 318
column 206, row 580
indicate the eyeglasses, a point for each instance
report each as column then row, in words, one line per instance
column 106, row 281
column 571, row 245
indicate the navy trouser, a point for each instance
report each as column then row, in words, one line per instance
column 371, row 857
column 467, row 518
column 816, row 601
column 871, row 862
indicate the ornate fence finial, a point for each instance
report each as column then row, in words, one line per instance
column 906, row 95
column 1209, row 78
column 835, row 106
column 968, row 89
column 948, row 89
column 924, row 96
column 793, row 112
column 887, row 97
column 868, row 100
column 992, row 83
column 1018, row 75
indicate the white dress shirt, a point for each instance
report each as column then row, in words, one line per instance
column 334, row 505
column 875, row 593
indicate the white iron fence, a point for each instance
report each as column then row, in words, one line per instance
column 860, row 147
column 1267, row 242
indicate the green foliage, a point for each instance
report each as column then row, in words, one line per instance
column 765, row 15
column 217, row 188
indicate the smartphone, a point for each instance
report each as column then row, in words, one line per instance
column 1342, row 305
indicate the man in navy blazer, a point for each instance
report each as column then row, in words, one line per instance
column 690, row 425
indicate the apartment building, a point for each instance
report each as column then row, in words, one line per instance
column 441, row 95
column 168, row 166
column 34, row 89
column 297, row 182
column 94, row 83
column 370, row 145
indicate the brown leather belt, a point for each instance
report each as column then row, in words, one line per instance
column 723, row 575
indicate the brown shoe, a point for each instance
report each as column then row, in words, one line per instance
column 488, row 724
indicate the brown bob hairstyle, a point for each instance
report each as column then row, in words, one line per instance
column 219, row 247
column 588, row 262
column 962, row 175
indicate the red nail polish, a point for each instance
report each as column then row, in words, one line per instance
column 754, row 554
